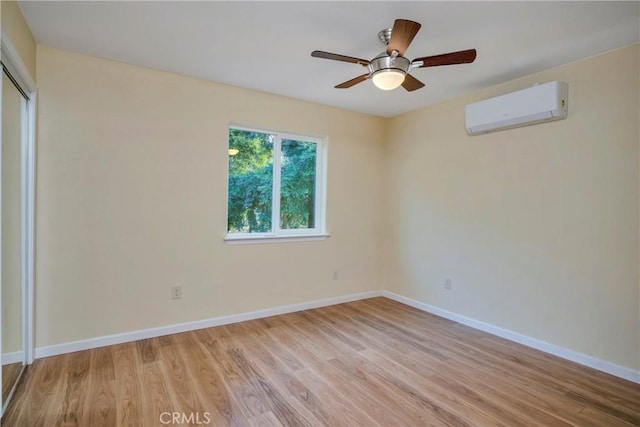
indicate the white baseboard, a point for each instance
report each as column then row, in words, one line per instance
column 14, row 357
column 583, row 359
column 90, row 343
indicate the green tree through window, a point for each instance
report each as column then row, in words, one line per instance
column 252, row 183
column 297, row 184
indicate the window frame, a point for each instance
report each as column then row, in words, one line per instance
column 318, row 232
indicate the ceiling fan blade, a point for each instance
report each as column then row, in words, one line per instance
column 461, row 57
column 352, row 82
column 402, row 34
column 410, row 83
column 336, row 57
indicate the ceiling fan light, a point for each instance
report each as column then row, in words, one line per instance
column 388, row 79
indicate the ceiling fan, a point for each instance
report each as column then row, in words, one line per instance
column 390, row 68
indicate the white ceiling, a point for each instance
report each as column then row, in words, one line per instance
column 267, row 45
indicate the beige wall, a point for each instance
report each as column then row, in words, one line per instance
column 537, row 227
column 14, row 26
column 131, row 199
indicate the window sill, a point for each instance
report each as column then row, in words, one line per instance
column 251, row 240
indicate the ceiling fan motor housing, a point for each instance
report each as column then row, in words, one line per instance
column 384, row 62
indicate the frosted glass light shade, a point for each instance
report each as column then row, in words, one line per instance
column 388, row 79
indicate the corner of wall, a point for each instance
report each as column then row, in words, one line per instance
column 384, row 249
column 15, row 28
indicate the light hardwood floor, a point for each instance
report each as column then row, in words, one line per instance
column 371, row 362
column 10, row 374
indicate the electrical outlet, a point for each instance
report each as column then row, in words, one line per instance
column 176, row 292
column 335, row 275
column 447, row 283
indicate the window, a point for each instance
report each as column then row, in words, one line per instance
column 275, row 185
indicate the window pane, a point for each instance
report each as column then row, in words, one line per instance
column 250, row 181
column 297, row 184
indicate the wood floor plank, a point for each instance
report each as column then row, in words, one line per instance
column 408, row 400
column 128, row 388
column 156, row 394
column 364, row 363
column 268, row 394
column 209, row 388
column 346, row 409
column 146, row 350
column 256, row 346
column 174, row 367
column 101, row 398
column 267, row 419
column 77, row 376
column 10, row 373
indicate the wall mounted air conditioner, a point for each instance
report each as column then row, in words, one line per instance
column 536, row 104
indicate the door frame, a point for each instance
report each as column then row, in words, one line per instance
column 13, row 63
